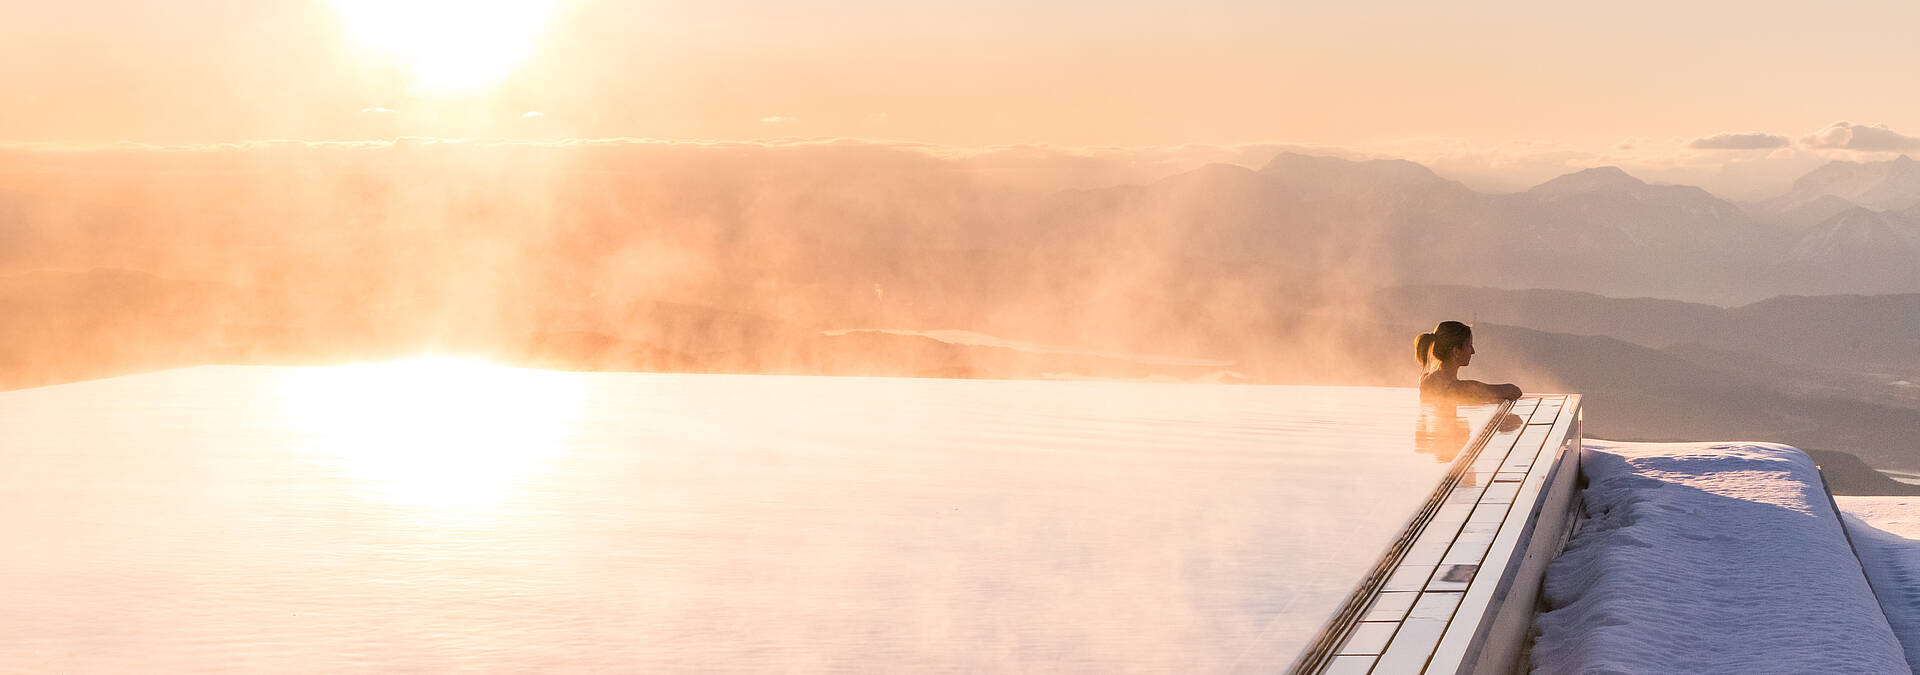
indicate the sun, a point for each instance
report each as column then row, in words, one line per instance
column 447, row 46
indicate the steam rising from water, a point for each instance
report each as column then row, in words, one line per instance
column 704, row 257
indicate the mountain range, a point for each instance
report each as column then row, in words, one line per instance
column 1599, row 230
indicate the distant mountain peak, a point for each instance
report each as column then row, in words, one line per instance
column 1861, row 216
column 1220, row 170
column 1212, row 173
column 1296, row 165
column 1606, row 171
column 1859, row 233
column 1857, row 214
column 1889, row 185
column 1841, row 169
column 1590, row 180
column 1814, row 212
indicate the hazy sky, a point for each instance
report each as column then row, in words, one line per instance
column 1393, row 76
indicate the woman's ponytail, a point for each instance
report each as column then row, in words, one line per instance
column 1423, row 348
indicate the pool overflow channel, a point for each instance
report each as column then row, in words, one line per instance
column 1457, row 590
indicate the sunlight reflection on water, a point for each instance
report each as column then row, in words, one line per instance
column 452, row 438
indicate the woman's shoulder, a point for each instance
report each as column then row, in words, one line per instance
column 1437, row 384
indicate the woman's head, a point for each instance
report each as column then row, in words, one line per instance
column 1450, row 343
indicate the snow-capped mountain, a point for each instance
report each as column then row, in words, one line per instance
column 1605, row 208
column 1601, row 229
column 1860, row 235
column 1820, row 210
column 1891, row 185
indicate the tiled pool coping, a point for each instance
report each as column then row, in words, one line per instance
column 1428, row 606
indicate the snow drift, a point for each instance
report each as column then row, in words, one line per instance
column 1709, row 558
column 1886, row 534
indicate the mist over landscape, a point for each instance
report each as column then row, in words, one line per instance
column 1676, row 312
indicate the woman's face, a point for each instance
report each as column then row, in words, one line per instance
column 1464, row 353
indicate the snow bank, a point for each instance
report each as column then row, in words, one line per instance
column 1886, row 534
column 1709, row 558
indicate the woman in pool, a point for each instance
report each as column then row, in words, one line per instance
column 1442, row 353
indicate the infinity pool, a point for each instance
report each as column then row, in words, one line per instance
column 450, row 515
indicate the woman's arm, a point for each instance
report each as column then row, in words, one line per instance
column 1474, row 389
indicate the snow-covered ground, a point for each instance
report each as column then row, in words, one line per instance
column 1709, row 558
column 1886, row 534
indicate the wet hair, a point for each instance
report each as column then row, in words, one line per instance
column 1445, row 338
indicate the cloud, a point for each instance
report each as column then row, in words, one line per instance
column 531, row 114
column 377, row 110
column 1845, row 136
column 1739, row 142
column 777, row 119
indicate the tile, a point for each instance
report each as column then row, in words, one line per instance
column 1368, row 637
column 1503, row 439
column 1510, row 475
column 1490, row 512
column 1464, row 495
column 1451, row 513
column 1408, row 578
column 1520, row 459
column 1452, row 577
column 1492, row 453
column 1348, row 665
column 1500, row 493
column 1530, row 441
column 1432, row 544
column 1479, row 530
column 1411, row 647
column 1435, row 606
column 1390, row 606
column 1467, row 550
